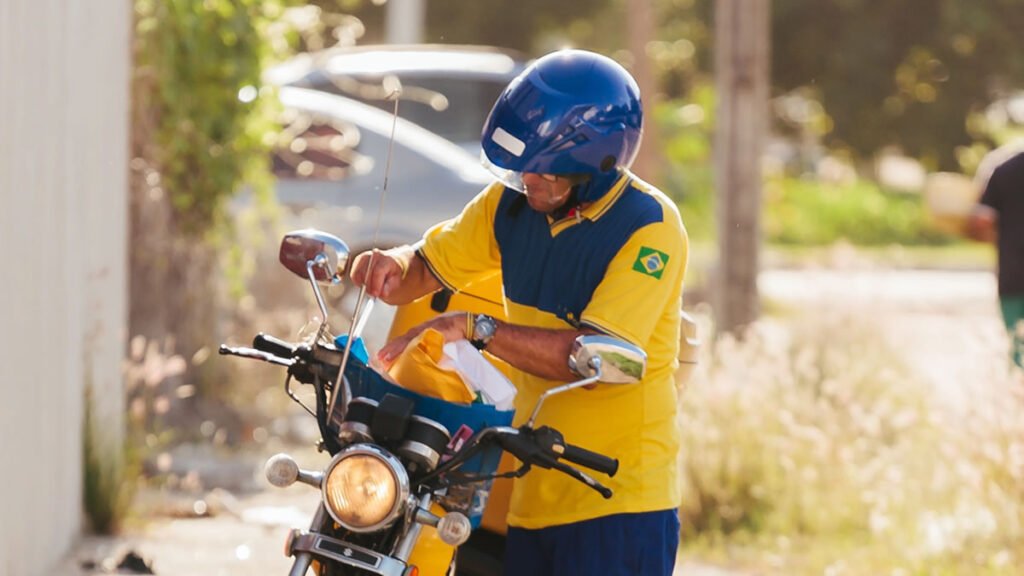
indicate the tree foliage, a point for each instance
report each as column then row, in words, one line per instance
column 201, row 130
column 199, row 64
column 906, row 72
column 909, row 73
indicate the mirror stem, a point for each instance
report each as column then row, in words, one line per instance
column 594, row 363
column 359, row 315
column 341, row 385
column 319, row 260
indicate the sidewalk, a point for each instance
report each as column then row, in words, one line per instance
column 240, row 537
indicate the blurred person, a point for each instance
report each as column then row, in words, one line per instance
column 999, row 218
column 584, row 247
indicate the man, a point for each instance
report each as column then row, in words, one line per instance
column 999, row 218
column 584, row 247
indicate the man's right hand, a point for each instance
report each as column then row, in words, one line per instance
column 381, row 271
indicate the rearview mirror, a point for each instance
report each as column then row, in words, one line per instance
column 310, row 251
column 617, row 361
column 599, row 359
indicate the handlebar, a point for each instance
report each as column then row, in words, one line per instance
column 541, row 447
column 256, row 354
column 592, row 460
column 273, row 345
column 544, row 447
column 305, row 363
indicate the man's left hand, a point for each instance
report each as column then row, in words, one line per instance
column 451, row 325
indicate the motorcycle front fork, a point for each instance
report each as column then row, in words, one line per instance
column 304, row 559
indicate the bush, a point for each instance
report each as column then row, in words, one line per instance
column 814, row 447
column 807, row 212
column 108, row 474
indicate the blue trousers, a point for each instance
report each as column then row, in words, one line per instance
column 642, row 544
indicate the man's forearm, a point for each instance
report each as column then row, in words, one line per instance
column 539, row 351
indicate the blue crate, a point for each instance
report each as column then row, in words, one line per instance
column 366, row 382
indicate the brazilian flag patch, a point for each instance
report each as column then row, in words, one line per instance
column 650, row 262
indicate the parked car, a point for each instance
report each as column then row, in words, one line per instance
column 446, row 89
column 330, row 170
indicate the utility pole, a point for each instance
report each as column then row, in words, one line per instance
column 742, row 45
column 405, row 21
column 640, row 24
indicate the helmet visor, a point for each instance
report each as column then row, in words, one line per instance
column 510, row 178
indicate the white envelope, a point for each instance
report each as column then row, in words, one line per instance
column 481, row 375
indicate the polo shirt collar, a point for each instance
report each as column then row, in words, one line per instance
column 601, row 206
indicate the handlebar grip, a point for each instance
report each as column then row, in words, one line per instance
column 591, row 460
column 273, row 345
column 602, row 490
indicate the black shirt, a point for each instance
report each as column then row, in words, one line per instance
column 1005, row 194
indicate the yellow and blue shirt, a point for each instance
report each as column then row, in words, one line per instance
column 617, row 267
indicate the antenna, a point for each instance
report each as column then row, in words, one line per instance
column 362, row 310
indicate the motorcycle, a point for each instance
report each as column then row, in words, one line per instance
column 408, row 474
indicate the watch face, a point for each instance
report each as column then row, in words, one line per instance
column 483, row 328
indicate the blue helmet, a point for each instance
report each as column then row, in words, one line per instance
column 571, row 112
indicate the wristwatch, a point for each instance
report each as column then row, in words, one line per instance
column 483, row 330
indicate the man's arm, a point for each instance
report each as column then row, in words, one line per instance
column 542, row 352
column 981, row 223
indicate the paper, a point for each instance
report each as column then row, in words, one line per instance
column 481, row 375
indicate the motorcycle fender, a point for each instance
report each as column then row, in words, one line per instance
column 430, row 554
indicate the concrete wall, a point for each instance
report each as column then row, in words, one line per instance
column 64, row 81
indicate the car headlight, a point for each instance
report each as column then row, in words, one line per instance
column 365, row 488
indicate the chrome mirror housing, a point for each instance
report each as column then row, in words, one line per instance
column 615, row 361
column 310, row 251
column 599, row 359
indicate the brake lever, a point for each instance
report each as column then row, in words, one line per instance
column 255, row 354
column 548, row 462
column 526, row 448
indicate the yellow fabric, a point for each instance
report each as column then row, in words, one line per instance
column 417, row 368
column 465, row 246
column 636, row 423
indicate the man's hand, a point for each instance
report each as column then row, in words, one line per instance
column 381, row 271
column 396, row 276
column 451, row 325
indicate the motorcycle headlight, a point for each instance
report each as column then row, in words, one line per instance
column 365, row 488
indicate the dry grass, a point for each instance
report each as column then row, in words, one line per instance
column 811, row 449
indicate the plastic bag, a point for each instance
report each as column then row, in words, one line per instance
column 452, row 371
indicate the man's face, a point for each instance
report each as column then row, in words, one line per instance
column 546, row 192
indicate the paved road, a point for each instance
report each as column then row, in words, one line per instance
column 945, row 324
column 248, row 542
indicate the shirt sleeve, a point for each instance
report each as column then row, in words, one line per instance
column 643, row 279
column 992, row 196
column 463, row 249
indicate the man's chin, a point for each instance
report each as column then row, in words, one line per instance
column 542, row 207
